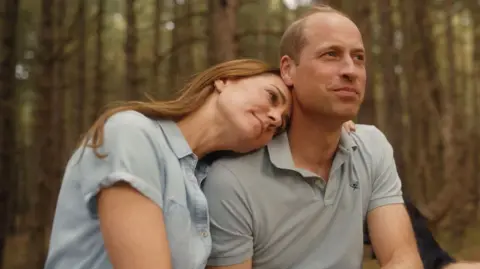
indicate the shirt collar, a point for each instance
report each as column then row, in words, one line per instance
column 281, row 156
column 175, row 138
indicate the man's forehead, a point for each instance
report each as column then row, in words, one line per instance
column 331, row 23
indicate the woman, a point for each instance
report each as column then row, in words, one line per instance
column 130, row 196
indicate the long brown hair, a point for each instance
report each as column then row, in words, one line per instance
column 189, row 99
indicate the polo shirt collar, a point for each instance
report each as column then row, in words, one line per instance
column 281, row 156
column 175, row 138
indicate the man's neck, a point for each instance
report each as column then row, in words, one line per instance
column 313, row 143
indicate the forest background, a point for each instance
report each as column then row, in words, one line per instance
column 62, row 62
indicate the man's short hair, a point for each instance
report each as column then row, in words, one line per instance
column 293, row 39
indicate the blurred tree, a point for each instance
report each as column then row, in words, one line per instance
column 8, row 112
column 45, row 133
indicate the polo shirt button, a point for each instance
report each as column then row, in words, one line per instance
column 204, row 233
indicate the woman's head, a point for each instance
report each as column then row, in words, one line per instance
column 247, row 92
column 255, row 109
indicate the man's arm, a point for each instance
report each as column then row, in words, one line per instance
column 431, row 253
column 389, row 225
column 392, row 237
column 230, row 220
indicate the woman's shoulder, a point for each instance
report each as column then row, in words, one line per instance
column 130, row 118
column 133, row 123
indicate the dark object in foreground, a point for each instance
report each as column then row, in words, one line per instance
column 433, row 256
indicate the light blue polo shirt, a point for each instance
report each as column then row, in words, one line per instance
column 154, row 158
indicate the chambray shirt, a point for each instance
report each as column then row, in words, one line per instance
column 155, row 159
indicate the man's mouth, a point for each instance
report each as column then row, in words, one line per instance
column 346, row 92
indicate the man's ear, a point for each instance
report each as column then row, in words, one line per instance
column 287, row 69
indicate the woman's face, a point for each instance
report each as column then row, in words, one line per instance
column 256, row 109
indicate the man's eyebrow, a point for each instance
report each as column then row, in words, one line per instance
column 358, row 50
column 282, row 95
column 326, row 47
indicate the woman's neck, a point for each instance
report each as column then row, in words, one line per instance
column 204, row 131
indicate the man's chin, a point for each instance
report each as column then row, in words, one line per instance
column 347, row 114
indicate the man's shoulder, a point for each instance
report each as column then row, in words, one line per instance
column 369, row 138
column 238, row 171
column 372, row 145
column 238, row 162
column 368, row 134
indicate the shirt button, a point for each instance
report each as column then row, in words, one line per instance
column 204, row 233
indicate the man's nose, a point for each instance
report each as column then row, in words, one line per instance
column 349, row 70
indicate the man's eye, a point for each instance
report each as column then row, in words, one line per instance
column 360, row 57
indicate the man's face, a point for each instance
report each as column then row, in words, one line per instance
column 329, row 77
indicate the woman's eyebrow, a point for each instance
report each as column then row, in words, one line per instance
column 282, row 95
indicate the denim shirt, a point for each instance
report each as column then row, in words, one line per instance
column 155, row 159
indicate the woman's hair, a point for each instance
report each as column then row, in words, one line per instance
column 189, row 99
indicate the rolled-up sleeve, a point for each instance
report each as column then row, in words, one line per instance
column 386, row 185
column 230, row 218
column 131, row 158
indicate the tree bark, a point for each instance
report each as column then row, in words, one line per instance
column 81, row 69
column 99, row 91
column 131, row 44
column 222, row 45
column 391, row 84
column 8, row 119
column 156, row 45
column 45, row 134
column 362, row 16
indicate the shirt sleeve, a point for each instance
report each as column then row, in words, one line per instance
column 386, row 185
column 131, row 159
column 230, row 218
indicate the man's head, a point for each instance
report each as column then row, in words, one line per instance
column 323, row 57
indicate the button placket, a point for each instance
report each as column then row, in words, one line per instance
column 204, row 233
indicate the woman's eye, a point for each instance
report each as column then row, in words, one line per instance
column 273, row 97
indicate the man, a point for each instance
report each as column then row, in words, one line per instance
column 300, row 202
column 433, row 256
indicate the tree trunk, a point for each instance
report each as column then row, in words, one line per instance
column 99, row 91
column 8, row 119
column 156, row 45
column 475, row 13
column 81, row 69
column 131, row 44
column 222, row 44
column 174, row 66
column 391, row 84
column 45, row 134
column 59, row 120
column 362, row 16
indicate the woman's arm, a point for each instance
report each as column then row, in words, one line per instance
column 124, row 193
column 133, row 229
